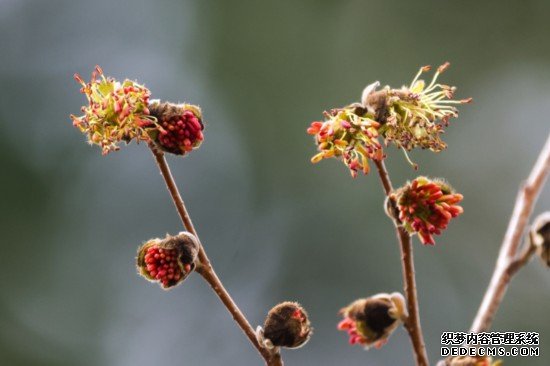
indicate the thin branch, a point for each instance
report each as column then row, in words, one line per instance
column 523, row 257
column 204, row 267
column 509, row 261
column 412, row 323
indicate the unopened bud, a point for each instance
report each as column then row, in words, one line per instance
column 372, row 320
column 540, row 235
column 286, row 325
column 168, row 261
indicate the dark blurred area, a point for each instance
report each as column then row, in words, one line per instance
column 275, row 226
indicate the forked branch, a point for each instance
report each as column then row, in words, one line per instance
column 204, row 267
column 511, row 258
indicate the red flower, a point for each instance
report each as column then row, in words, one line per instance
column 162, row 264
column 426, row 207
column 179, row 127
column 168, row 261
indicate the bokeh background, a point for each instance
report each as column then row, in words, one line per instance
column 275, row 226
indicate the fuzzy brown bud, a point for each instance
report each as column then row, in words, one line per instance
column 286, row 325
column 168, row 261
column 540, row 236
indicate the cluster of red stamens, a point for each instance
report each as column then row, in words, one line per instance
column 164, row 266
column 350, row 326
column 427, row 206
column 168, row 261
column 179, row 134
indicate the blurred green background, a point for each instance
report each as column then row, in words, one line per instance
column 275, row 226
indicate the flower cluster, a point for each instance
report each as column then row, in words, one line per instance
column 115, row 111
column 413, row 116
column 179, row 127
column 168, row 261
column 348, row 133
column 416, row 115
column 162, row 264
column 372, row 320
column 286, row 325
column 426, row 206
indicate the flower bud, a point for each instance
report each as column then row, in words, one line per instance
column 426, row 206
column 286, row 325
column 116, row 111
column 372, row 320
column 540, row 236
column 179, row 127
column 168, row 261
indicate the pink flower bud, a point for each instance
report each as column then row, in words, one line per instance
column 168, row 261
column 180, row 127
